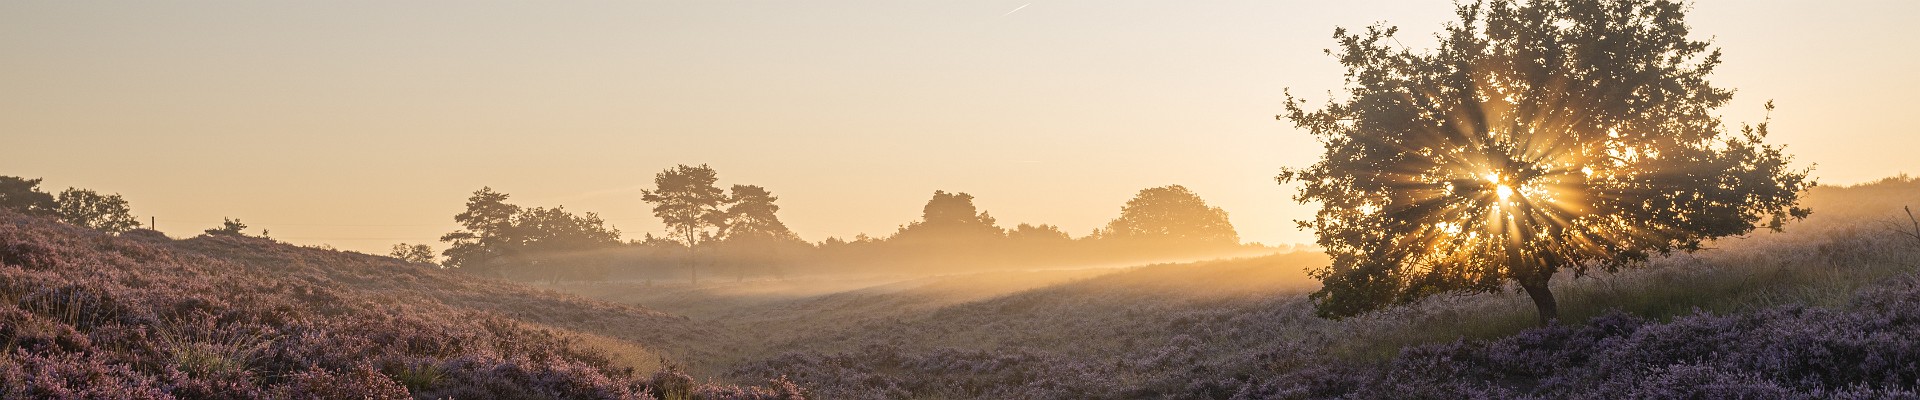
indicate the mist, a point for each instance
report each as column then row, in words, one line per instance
column 1373, row 199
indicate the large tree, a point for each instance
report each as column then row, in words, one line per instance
column 86, row 208
column 754, row 237
column 952, row 219
column 507, row 240
column 486, row 242
column 1540, row 136
column 553, row 243
column 752, row 215
column 1174, row 215
column 24, row 196
column 687, row 201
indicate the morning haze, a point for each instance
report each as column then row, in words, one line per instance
column 360, row 124
column 1028, row 199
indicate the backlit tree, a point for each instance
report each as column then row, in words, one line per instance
column 753, row 236
column 1540, row 136
column 486, row 241
column 23, row 195
column 687, row 201
column 92, row 210
column 1171, row 215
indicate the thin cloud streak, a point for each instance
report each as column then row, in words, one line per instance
column 1016, row 9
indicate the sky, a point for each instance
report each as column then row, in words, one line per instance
column 361, row 124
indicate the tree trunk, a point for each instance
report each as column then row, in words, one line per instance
column 693, row 269
column 693, row 266
column 1537, row 288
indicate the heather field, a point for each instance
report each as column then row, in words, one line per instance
column 882, row 199
column 88, row 315
column 1826, row 309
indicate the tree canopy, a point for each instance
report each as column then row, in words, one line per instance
column 413, row 253
column 24, row 196
column 486, row 239
column 1540, row 136
column 88, row 209
column 687, row 201
column 228, row 227
column 751, row 215
column 506, row 239
column 950, row 217
column 80, row 207
column 1042, row 234
column 1171, row 214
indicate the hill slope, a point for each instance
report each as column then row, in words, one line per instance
column 1826, row 308
column 86, row 315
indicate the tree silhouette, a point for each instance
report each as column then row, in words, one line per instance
column 86, row 208
column 1171, row 214
column 228, row 227
column 752, row 215
column 950, row 218
column 1042, row 235
column 487, row 240
column 502, row 238
column 552, row 242
column 1539, row 137
column 24, row 196
column 753, row 235
column 413, row 253
column 687, row 201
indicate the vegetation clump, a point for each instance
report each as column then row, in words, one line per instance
column 1540, row 137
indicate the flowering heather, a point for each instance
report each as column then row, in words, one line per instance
column 1827, row 310
column 1862, row 349
column 88, row 315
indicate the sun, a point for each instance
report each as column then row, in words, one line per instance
column 1500, row 186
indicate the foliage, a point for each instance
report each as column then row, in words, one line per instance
column 80, row 207
column 23, row 195
column 753, row 238
column 507, row 240
column 740, row 231
column 686, row 199
column 91, row 210
column 1174, row 215
column 485, row 242
column 548, row 231
column 414, row 254
column 228, row 227
column 1042, row 235
column 1540, row 136
column 751, row 215
column 950, row 217
column 1834, row 290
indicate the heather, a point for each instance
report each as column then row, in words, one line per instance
column 1821, row 311
column 88, row 315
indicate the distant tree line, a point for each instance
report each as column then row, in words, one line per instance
column 737, row 233
column 80, row 207
column 86, row 208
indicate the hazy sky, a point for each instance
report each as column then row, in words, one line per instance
column 366, row 123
